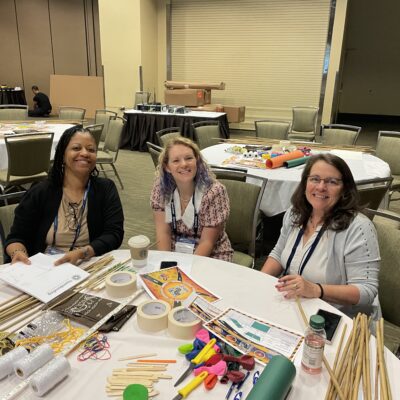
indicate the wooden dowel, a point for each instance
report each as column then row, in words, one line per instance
column 368, row 362
column 15, row 299
column 382, row 380
column 359, row 364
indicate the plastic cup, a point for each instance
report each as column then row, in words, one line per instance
column 139, row 246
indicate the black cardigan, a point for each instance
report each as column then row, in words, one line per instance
column 39, row 206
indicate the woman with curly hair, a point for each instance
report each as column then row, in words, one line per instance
column 74, row 213
column 190, row 207
column 327, row 248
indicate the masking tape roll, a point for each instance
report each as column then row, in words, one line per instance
column 152, row 315
column 121, row 284
column 182, row 323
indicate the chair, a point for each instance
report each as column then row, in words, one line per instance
column 154, row 151
column 340, row 134
column 389, row 278
column 388, row 149
column 6, row 221
column 272, row 129
column 304, row 123
column 103, row 117
column 206, row 133
column 13, row 112
column 241, row 227
column 164, row 135
column 96, row 130
column 237, row 174
column 28, row 159
column 373, row 191
column 110, row 151
column 73, row 113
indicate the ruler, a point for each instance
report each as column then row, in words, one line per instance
column 21, row 386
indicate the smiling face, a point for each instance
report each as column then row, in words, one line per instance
column 80, row 154
column 323, row 195
column 182, row 164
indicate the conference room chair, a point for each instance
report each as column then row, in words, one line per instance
column 304, row 123
column 338, row 134
column 241, row 227
column 164, row 135
column 389, row 278
column 6, row 221
column 109, row 154
column 388, row 149
column 238, row 174
column 155, row 152
column 372, row 192
column 13, row 112
column 96, row 130
column 272, row 129
column 73, row 113
column 28, row 159
column 206, row 133
column 103, row 117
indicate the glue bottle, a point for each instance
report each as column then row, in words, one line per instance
column 314, row 343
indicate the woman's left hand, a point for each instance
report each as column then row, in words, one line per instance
column 72, row 257
column 296, row 285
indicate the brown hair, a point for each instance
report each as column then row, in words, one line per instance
column 345, row 209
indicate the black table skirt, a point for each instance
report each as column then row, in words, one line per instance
column 142, row 127
column 11, row 96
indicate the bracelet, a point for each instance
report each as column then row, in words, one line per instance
column 322, row 290
column 16, row 251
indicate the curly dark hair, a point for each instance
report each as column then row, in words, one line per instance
column 56, row 175
column 346, row 208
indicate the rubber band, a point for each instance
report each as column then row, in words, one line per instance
column 95, row 348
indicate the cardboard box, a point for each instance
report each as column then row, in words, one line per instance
column 210, row 107
column 187, row 97
column 235, row 113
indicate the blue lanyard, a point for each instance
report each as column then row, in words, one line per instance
column 309, row 254
column 173, row 215
column 78, row 228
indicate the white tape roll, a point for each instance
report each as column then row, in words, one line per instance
column 121, row 284
column 182, row 323
column 33, row 361
column 9, row 359
column 152, row 315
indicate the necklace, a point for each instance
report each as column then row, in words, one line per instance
column 312, row 224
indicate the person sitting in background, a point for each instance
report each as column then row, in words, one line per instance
column 190, row 206
column 74, row 212
column 41, row 104
column 327, row 248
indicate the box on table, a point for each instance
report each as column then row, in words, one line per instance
column 187, row 97
column 235, row 113
column 210, row 107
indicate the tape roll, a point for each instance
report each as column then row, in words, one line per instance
column 29, row 364
column 9, row 359
column 182, row 323
column 121, row 284
column 152, row 315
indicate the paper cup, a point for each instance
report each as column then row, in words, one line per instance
column 139, row 246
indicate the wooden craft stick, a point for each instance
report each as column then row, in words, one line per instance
column 157, row 361
column 138, row 356
column 359, row 358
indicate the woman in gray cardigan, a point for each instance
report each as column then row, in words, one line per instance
column 327, row 248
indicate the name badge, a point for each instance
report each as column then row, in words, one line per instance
column 53, row 250
column 185, row 245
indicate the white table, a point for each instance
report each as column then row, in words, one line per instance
column 58, row 130
column 282, row 182
column 239, row 287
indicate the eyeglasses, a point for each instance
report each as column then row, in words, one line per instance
column 331, row 182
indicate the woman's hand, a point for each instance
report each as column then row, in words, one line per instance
column 20, row 256
column 75, row 256
column 296, row 285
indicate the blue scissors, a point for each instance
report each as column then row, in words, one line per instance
column 238, row 396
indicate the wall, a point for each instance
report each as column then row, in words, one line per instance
column 44, row 37
column 370, row 80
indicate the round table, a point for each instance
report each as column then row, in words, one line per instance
column 282, row 182
column 245, row 289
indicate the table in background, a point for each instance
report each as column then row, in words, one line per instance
column 243, row 288
column 141, row 126
column 12, row 96
column 282, row 182
column 58, row 130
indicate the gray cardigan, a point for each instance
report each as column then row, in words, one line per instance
column 354, row 252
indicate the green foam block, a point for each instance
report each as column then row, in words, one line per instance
column 136, row 392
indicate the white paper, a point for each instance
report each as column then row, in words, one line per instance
column 42, row 279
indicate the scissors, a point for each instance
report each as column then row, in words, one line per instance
column 185, row 391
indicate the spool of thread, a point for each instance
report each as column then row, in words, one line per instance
column 275, row 380
column 152, row 315
column 9, row 359
column 135, row 392
column 121, row 284
column 182, row 323
column 50, row 375
column 33, row 361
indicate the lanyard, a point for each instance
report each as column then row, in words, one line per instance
column 78, row 228
column 309, row 254
column 173, row 215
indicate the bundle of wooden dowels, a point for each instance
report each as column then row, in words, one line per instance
column 353, row 365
